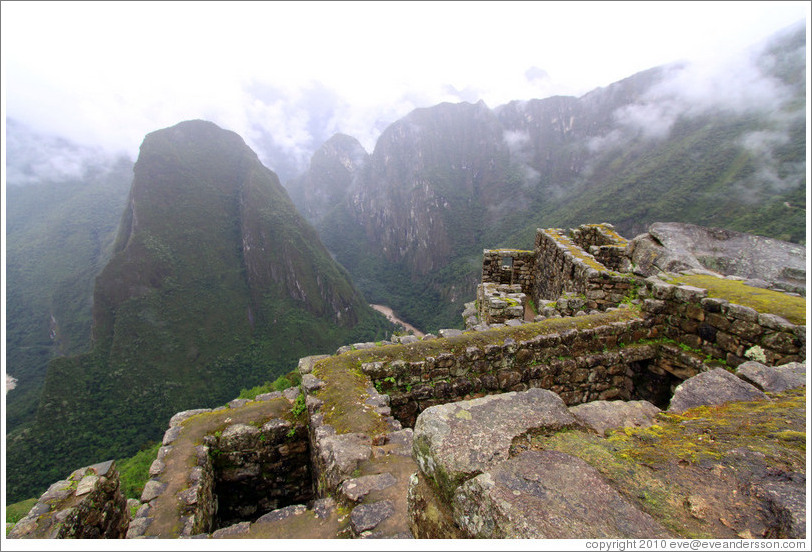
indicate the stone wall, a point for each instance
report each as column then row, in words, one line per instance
column 498, row 303
column 602, row 242
column 509, row 266
column 87, row 505
column 488, row 467
column 214, row 464
column 335, row 456
column 259, row 469
column 196, row 501
column 720, row 329
column 587, row 235
column 580, row 365
column 562, row 266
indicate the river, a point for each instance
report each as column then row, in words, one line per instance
column 390, row 315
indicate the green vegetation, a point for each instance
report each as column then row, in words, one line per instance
column 59, row 236
column 220, row 286
column 299, row 406
column 291, row 379
column 17, row 511
column 134, row 471
column 763, row 300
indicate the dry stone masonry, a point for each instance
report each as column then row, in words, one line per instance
column 443, row 436
column 87, row 505
column 478, row 480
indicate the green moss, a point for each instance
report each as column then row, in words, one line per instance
column 662, row 466
column 344, row 394
column 576, row 251
column 763, row 300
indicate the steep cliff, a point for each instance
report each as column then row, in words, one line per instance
column 446, row 181
column 333, row 170
column 215, row 284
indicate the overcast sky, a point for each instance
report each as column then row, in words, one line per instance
column 107, row 73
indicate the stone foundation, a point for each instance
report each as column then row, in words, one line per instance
column 259, row 469
column 720, row 329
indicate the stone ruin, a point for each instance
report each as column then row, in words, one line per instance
column 450, row 436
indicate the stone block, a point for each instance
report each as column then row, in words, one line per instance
column 713, row 304
column 782, row 342
column 311, row 383
column 689, row 294
column 718, row 321
column 775, row 322
column 715, row 387
column 453, row 442
column 170, row 435
column 152, row 489
column 749, row 331
column 548, row 495
column 741, row 312
column 307, row 364
column 366, row 517
column 773, row 379
column 354, row 490
column 603, row 415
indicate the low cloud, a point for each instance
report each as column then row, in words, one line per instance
column 516, row 140
column 33, row 158
column 736, row 83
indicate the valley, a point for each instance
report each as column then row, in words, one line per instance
column 390, row 315
column 194, row 273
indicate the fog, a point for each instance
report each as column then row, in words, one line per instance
column 287, row 76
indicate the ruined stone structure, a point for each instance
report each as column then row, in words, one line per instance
column 453, row 436
column 86, row 505
column 558, row 265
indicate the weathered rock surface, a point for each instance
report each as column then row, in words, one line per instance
column 341, row 454
column 673, row 247
column 787, row 501
column 354, row 490
column 429, row 517
column 773, row 379
column 548, row 495
column 456, row 441
column 87, row 505
column 717, row 386
column 602, row 416
column 367, row 516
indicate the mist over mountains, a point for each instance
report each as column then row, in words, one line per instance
column 215, row 283
column 202, row 229
column 717, row 146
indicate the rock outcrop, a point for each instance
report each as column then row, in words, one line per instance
column 212, row 269
column 559, row 480
column 87, row 505
column 764, row 262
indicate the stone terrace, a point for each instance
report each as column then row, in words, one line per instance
column 352, row 452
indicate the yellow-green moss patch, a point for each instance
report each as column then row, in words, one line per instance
column 684, row 469
column 576, row 251
column 763, row 300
